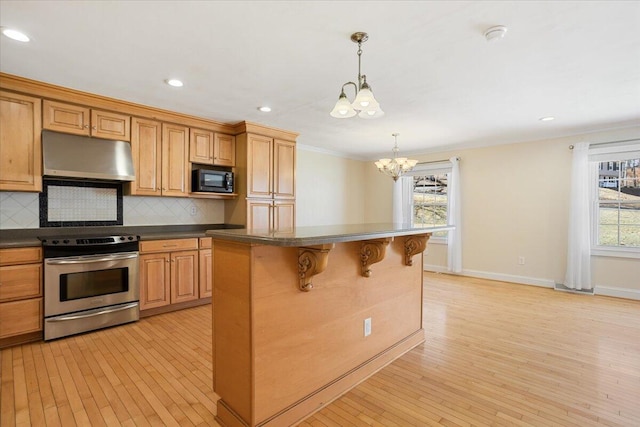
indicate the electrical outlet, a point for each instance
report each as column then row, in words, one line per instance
column 194, row 210
column 520, row 260
column 367, row 326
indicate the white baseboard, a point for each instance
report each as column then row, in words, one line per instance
column 611, row 291
column 545, row 283
column 435, row 268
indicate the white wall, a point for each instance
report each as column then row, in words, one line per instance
column 329, row 189
column 515, row 203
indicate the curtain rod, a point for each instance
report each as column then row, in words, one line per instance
column 605, row 143
column 437, row 161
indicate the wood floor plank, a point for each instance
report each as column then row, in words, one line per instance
column 496, row 354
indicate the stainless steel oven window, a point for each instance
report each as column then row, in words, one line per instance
column 93, row 283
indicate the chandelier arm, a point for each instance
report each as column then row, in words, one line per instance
column 355, row 87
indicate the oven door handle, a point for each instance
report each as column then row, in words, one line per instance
column 93, row 313
column 88, row 259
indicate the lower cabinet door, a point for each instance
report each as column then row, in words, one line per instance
column 284, row 214
column 206, row 273
column 259, row 214
column 20, row 317
column 155, row 276
column 184, row 276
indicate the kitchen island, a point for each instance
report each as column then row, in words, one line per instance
column 302, row 316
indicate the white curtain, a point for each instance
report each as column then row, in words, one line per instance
column 578, row 274
column 454, row 213
column 403, row 200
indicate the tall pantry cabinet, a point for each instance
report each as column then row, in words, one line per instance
column 265, row 179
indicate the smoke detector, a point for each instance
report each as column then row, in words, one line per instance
column 494, row 33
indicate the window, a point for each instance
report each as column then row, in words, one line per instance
column 619, row 203
column 428, row 185
column 430, row 201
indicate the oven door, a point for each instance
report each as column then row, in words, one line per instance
column 79, row 283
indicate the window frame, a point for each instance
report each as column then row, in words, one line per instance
column 614, row 152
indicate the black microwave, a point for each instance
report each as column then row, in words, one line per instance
column 211, row 181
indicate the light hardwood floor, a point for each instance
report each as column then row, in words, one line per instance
column 496, row 354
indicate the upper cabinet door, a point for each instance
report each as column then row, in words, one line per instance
column 109, row 125
column 146, row 147
column 66, row 118
column 175, row 160
column 201, row 146
column 284, row 169
column 20, row 146
column 78, row 120
column 224, row 150
column 259, row 166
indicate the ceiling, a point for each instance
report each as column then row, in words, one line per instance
column 440, row 83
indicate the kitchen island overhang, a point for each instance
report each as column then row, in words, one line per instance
column 290, row 314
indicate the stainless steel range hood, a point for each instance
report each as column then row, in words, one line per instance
column 73, row 156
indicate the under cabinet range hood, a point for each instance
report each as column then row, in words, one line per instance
column 73, row 156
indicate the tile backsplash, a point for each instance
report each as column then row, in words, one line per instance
column 21, row 210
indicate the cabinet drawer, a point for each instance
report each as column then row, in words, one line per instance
column 205, row 242
column 20, row 255
column 168, row 245
column 20, row 317
column 20, row 281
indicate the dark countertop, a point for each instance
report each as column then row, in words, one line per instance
column 306, row 236
column 24, row 237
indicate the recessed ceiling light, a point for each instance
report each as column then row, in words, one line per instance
column 15, row 35
column 547, row 119
column 494, row 33
column 174, row 82
column 265, row 109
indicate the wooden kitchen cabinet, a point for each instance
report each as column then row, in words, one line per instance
column 146, row 148
column 205, row 267
column 160, row 153
column 209, row 148
column 155, row 276
column 20, row 294
column 270, row 183
column 271, row 168
column 276, row 215
column 79, row 120
column 168, row 272
column 175, row 160
column 20, row 143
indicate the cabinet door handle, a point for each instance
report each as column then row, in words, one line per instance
column 86, row 126
column 93, row 127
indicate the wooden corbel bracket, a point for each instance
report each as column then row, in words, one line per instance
column 312, row 260
column 414, row 245
column 372, row 251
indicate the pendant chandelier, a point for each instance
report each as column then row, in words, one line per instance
column 364, row 105
column 397, row 166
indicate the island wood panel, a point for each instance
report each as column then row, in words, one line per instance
column 277, row 346
column 232, row 353
column 325, row 326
